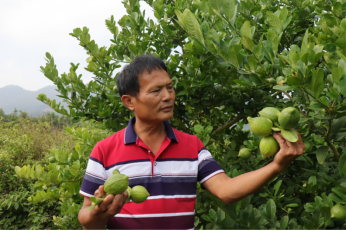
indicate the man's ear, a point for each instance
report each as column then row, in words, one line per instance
column 128, row 101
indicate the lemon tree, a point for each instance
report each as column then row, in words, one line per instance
column 228, row 60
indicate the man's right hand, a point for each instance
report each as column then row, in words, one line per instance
column 98, row 217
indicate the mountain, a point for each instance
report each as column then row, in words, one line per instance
column 12, row 97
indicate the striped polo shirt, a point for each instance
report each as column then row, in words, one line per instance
column 170, row 177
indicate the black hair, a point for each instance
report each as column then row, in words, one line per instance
column 127, row 80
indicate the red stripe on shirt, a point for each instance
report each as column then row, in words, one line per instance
column 152, row 206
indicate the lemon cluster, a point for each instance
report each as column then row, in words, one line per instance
column 271, row 119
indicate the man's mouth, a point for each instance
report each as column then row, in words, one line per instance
column 167, row 108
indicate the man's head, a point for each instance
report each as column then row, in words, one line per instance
column 146, row 89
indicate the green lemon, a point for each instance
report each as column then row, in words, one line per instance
column 139, row 194
column 289, row 118
column 52, row 159
column 338, row 212
column 271, row 80
column 270, row 113
column 260, row 126
column 280, row 79
column 116, row 184
column 308, row 146
column 244, row 153
column 268, row 146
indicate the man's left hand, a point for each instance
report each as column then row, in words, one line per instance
column 288, row 151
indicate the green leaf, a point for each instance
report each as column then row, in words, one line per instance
column 274, row 39
column 93, row 199
column 32, row 172
column 63, row 155
column 290, row 135
column 337, row 74
column 284, row 222
column 304, row 48
column 284, row 88
column 341, row 166
column 271, row 209
column 341, row 42
column 247, row 43
column 17, row 170
column 301, row 67
column 339, row 193
column 217, row 4
column 198, row 128
column 234, row 56
column 335, row 198
column 317, row 84
column 311, row 183
column 324, row 26
column 206, row 218
column 246, row 30
column 183, row 92
column 342, row 62
column 92, row 206
column 276, row 129
column 252, row 63
column 22, row 172
column 206, row 140
column 343, row 24
column 295, row 81
column 277, row 187
column 73, row 172
column 189, row 23
column 15, row 205
column 292, row 205
column 229, row 8
column 208, row 130
column 258, row 49
column 286, row 22
column 321, row 154
column 342, row 85
column 38, row 171
column 133, row 48
column 275, row 22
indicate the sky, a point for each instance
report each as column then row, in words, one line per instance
column 29, row 29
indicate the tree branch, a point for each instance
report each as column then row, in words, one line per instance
column 229, row 124
column 336, row 153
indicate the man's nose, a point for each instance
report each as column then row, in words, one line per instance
column 167, row 95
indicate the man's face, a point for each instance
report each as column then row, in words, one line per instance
column 155, row 100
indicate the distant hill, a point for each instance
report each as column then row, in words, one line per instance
column 12, row 97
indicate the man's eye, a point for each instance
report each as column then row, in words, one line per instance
column 156, row 90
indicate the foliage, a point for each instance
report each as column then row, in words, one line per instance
column 49, row 117
column 59, row 180
column 228, row 59
column 26, row 142
column 16, row 212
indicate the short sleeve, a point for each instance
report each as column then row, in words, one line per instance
column 95, row 174
column 207, row 166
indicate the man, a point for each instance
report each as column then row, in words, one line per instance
column 167, row 162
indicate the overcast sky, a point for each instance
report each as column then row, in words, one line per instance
column 29, row 29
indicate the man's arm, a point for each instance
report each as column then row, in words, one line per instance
column 98, row 217
column 230, row 190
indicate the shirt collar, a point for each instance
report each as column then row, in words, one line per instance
column 131, row 136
